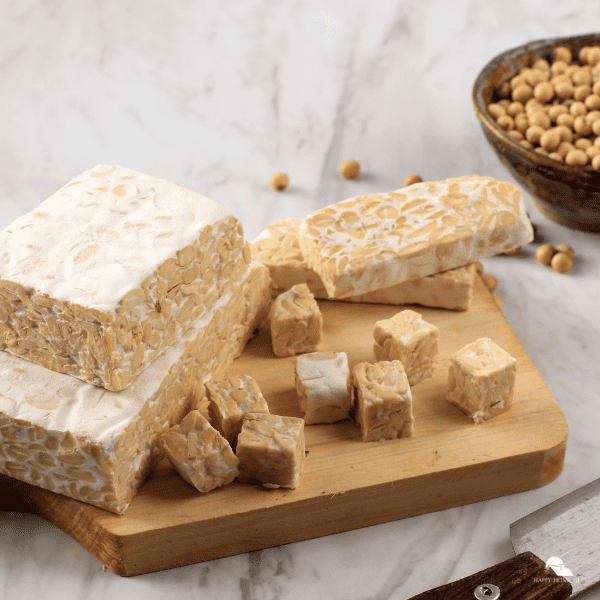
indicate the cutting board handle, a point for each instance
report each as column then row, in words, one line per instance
column 524, row 577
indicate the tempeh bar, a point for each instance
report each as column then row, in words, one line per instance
column 111, row 270
column 97, row 446
column 364, row 243
column 278, row 248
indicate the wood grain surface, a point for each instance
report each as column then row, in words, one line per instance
column 346, row 484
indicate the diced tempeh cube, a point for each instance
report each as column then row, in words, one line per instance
column 360, row 244
column 76, row 439
column 296, row 322
column 407, row 337
column 199, row 453
column 271, row 450
column 112, row 269
column 231, row 399
column 481, row 379
column 323, row 385
column 383, row 401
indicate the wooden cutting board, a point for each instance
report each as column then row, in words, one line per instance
column 346, row 484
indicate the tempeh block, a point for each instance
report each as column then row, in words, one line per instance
column 231, row 399
column 359, row 245
column 97, row 446
column 271, row 450
column 278, row 248
column 199, row 453
column 111, row 270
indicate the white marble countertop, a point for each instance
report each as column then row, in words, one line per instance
column 218, row 96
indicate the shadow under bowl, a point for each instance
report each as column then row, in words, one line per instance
column 566, row 194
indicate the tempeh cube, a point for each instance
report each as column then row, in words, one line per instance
column 383, row 401
column 76, row 439
column 296, row 322
column 481, row 379
column 323, row 385
column 111, row 270
column 361, row 244
column 231, row 399
column 271, row 450
column 199, row 453
column 407, row 337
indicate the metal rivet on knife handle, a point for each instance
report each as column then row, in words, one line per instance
column 487, row 591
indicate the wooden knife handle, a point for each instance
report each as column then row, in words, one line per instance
column 523, row 577
column 15, row 496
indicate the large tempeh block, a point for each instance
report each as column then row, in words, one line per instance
column 278, row 248
column 358, row 245
column 97, row 446
column 111, row 270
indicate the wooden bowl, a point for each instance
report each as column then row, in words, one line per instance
column 569, row 195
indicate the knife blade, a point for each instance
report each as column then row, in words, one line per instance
column 558, row 555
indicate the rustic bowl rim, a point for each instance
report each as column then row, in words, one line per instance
column 486, row 119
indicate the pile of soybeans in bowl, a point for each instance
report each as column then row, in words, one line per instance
column 553, row 106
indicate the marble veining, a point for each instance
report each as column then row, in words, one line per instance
column 217, row 97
